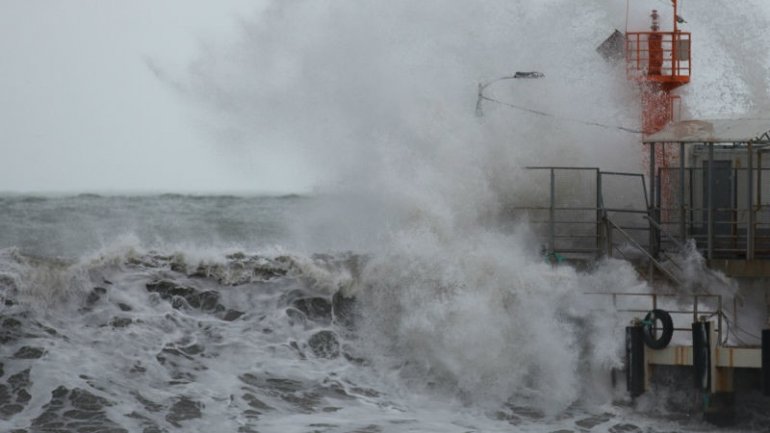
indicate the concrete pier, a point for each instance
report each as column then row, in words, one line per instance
column 713, row 366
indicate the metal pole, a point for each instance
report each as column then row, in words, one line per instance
column 651, row 210
column 551, row 214
column 709, row 197
column 695, row 309
column 653, row 191
column 750, row 203
column 759, row 179
column 682, row 214
column 719, row 319
column 691, row 214
column 599, row 212
column 659, row 206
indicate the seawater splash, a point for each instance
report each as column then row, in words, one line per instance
column 378, row 99
column 486, row 321
column 460, row 325
column 151, row 342
column 428, row 334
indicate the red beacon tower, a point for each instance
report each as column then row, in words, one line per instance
column 659, row 61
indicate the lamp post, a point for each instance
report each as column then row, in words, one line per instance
column 516, row 75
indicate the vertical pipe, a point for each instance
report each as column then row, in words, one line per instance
column 551, row 216
column 710, row 208
column 682, row 215
column 750, row 202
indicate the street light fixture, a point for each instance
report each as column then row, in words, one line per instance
column 516, row 75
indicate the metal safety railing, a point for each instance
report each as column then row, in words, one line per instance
column 658, row 54
column 574, row 219
column 567, row 221
column 652, row 260
column 696, row 310
column 737, row 225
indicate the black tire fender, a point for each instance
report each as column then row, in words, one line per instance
column 659, row 342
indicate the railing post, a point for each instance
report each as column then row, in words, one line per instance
column 750, row 203
column 691, row 214
column 682, row 212
column 599, row 212
column 551, row 215
column 719, row 319
column 651, row 210
column 658, row 210
column 695, row 309
column 759, row 179
column 709, row 196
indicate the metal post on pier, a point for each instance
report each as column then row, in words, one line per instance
column 552, row 215
column 750, row 203
column 710, row 197
column 682, row 211
column 651, row 211
column 636, row 379
column 766, row 362
column 600, row 233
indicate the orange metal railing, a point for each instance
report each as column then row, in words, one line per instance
column 659, row 56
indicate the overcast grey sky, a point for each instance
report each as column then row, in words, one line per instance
column 81, row 111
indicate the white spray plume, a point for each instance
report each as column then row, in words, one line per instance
column 378, row 98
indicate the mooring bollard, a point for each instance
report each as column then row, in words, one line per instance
column 635, row 380
column 766, row 362
column 701, row 355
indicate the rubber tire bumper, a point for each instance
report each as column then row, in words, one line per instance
column 649, row 332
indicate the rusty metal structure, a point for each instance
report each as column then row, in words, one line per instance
column 659, row 61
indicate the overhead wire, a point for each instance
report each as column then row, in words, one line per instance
column 562, row 118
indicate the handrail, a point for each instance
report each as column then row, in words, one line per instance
column 662, row 230
column 695, row 311
column 633, row 242
column 670, row 59
column 671, row 259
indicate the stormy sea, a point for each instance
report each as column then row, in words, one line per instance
column 204, row 314
column 401, row 294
